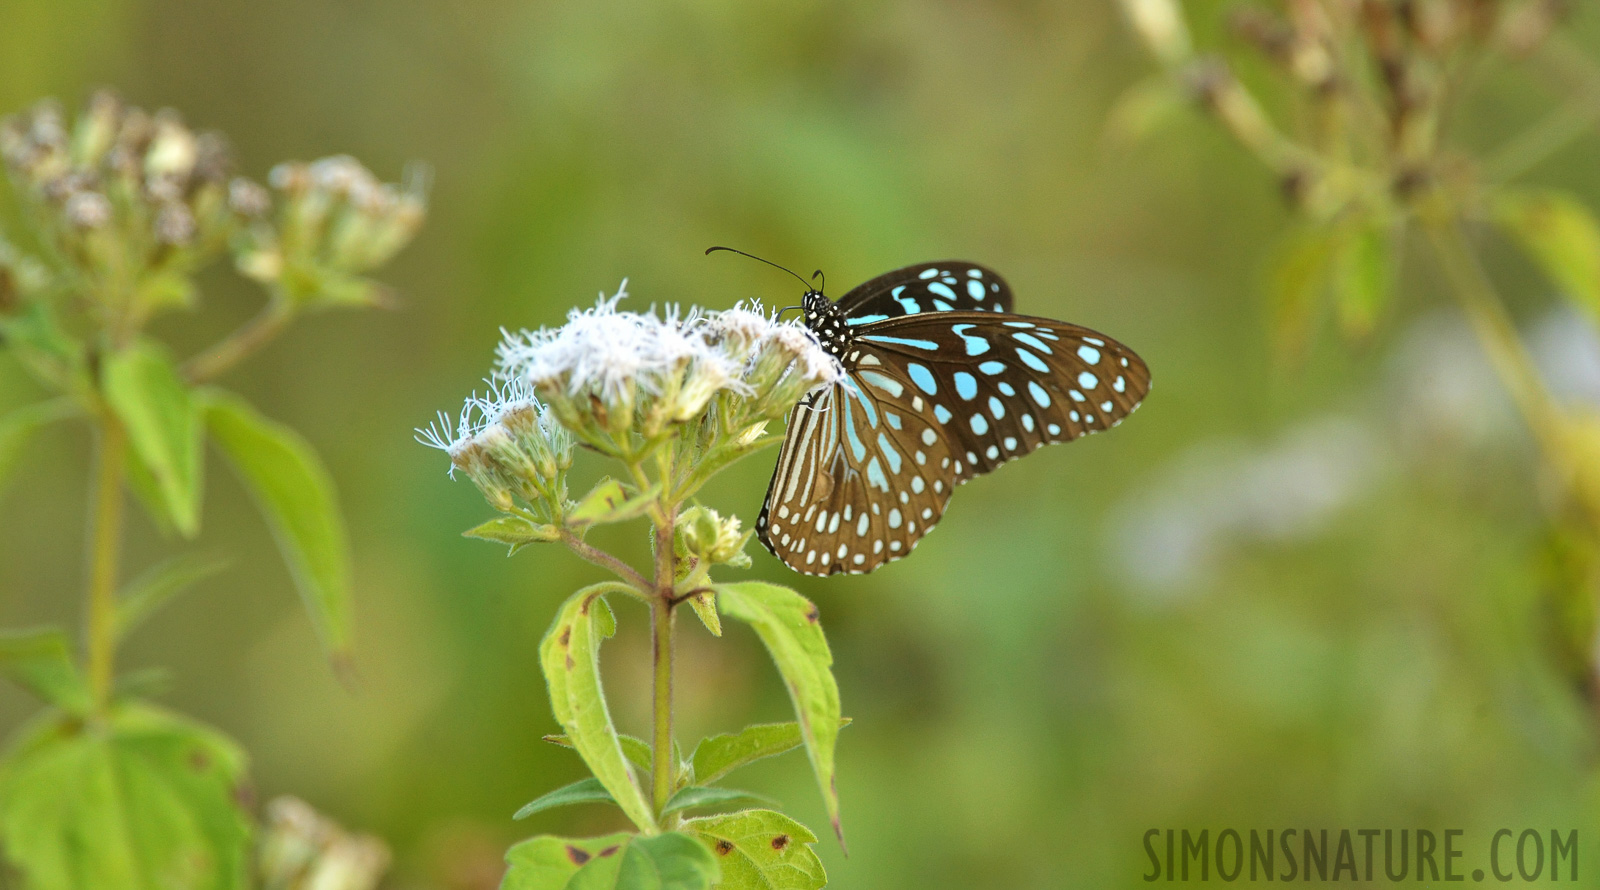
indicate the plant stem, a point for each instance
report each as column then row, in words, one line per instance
column 1498, row 336
column 661, row 614
column 254, row 334
column 606, row 561
column 661, row 652
column 104, row 549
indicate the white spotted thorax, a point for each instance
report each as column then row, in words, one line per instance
column 941, row 383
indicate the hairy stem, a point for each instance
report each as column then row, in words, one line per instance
column 606, row 561
column 105, row 541
column 254, row 334
column 663, row 772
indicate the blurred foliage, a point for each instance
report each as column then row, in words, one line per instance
column 1016, row 686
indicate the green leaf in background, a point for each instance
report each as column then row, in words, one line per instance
column 705, row 606
column 720, row 755
column 142, row 482
column 1363, row 271
column 1559, row 233
column 637, row 750
column 40, row 661
column 570, row 656
column 21, row 423
column 151, row 590
column 761, row 850
column 671, row 861
column 296, row 495
column 582, row 791
column 609, row 502
column 696, row 796
column 163, row 425
column 787, row 623
column 1296, row 282
column 150, row 802
column 514, row 531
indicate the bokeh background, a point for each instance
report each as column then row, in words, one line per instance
column 1277, row 597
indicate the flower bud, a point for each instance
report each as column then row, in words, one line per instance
column 1160, row 25
column 97, row 129
column 174, row 225
column 172, row 152
column 303, row 850
column 246, row 198
column 704, row 534
column 87, row 210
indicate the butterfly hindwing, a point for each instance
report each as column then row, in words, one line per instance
column 859, row 481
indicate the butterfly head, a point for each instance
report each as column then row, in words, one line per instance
column 826, row 320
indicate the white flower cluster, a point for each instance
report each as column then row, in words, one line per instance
column 615, row 372
column 623, row 383
column 507, row 444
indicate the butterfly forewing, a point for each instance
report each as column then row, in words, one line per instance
column 1001, row 386
column 945, row 286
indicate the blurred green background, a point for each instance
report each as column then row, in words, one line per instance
column 1274, row 598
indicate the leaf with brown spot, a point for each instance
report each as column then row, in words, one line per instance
column 572, row 673
column 148, row 799
column 671, row 861
column 758, row 851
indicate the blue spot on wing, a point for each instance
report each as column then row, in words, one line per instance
column 903, row 341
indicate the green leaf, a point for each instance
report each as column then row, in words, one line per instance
column 148, row 492
column 20, row 425
column 40, row 661
column 671, row 861
column 720, row 755
column 787, row 623
column 163, row 426
column 616, row 861
column 570, row 656
column 1559, row 233
column 1362, row 276
column 608, row 501
column 696, row 796
column 582, row 791
column 637, row 750
column 705, row 606
column 1296, row 283
column 143, row 683
column 513, row 530
column 296, row 495
column 151, row 590
column 43, row 346
column 148, row 802
column 761, row 850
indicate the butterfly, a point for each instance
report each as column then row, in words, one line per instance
column 942, row 383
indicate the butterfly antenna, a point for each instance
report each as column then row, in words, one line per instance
column 824, row 286
column 752, row 256
column 786, row 309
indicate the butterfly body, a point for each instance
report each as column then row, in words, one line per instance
column 942, row 384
